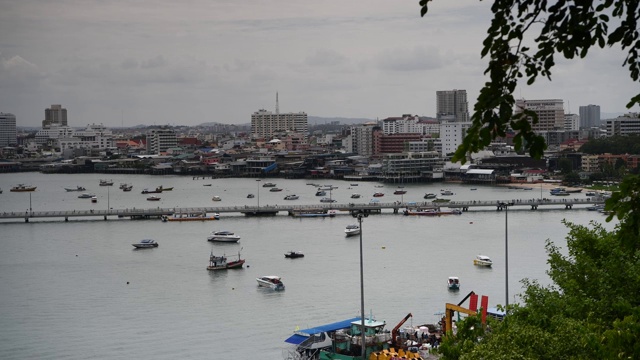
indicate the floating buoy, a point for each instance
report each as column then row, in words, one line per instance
column 127, row 283
column 384, row 247
column 233, row 288
column 470, row 222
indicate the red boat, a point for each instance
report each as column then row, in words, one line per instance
column 221, row 263
column 378, row 194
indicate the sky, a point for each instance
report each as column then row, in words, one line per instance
column 125, row 63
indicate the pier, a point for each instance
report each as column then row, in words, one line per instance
column 350, row 208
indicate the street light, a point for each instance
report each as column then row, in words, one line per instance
column 258, row 180
column 359, row 215
column 505, row 206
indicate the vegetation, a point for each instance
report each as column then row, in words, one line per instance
column 616, row 145
column 568, row 29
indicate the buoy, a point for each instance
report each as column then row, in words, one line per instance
column 127, row 283
column 384, row 247
column 76, row 255
column 470, row 222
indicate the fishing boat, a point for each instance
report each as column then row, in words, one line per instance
column 293, row 254
column 77, row 188
column 223, row 236
column 271, row 281
column 482, row 260
column 153, row 198
column 222, row 263
column 86, row 196
column 145, row 244
column 268, row 185
column 352, row 230
column 22, row 188
column 201, row 216
column 453, row 283
column 106, row 182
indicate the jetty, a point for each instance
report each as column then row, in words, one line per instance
column 272, row 210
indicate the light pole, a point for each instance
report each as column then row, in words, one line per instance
column 505, row 206
column 108, row 200
column 258, row 180
column 30, row 210
column 359, row 215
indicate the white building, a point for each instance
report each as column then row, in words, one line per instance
column 451, row 134
column 362, row 139
column 409, row 124
column 626, row 124
column 452, row 105
column 265, row 124
column 589, row 116
column 571, row 122
column 8, row 134
column 52, row 133
column 160, row 140
column 92, row 137
column 550, row 113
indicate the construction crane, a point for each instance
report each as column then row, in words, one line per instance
column 394, row 332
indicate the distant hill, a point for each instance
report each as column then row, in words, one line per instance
column 317, row 120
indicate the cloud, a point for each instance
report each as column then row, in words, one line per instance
column 325, row 58
column 416, row 59
column 17, row 71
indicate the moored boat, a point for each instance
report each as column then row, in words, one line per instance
column 106, row 182
column 94, row 199
column 250, row 196
column 216, row 198
column 201, row 216
column 352, row 230
column 482, row 260
column 432, row 212
column 77, row 188
column 453, row 283
column 153, row 198
column 145, row 244
column 291, row 197
column 327, row 200
column 223, row 236
column 313, row 213
column 446, row 192
column 86, row 196
column 293, row 254
column 268, row 184
column 271, row 281
column 222, row 263
column 399, row 192
column 378, row 194
column 127, row 188
column 430, row 196
column 321, row 193
column 355, row 196
column 23, row 188
column 275, row 189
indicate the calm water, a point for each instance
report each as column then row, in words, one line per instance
column 78, row 290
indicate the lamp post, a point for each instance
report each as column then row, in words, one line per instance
column 505, row 206
column 108, row 200
column 258, row 180
column 359, row 215
column 30, row 209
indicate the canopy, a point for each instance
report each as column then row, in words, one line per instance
column 302, row 335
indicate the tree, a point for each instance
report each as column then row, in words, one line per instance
column 570, row 28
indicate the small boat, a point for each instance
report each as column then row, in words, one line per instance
column 399, row 192
column 268, row 185
column 157, row 190
column 590, row 193
column 453, row 283
column 352, row 230
column 123, row 185
column 378, row 194
column 527, row 188
column 446, row 192
column 77, row 188
column 355, row 196
column 145, row 244
column 560, row 193
column 275, row 189
column 202, row 216
column 127, row 188
column 440, row 200
column 22, row 188
column 573, row 191
column 430, row 196
column 106, row 182
column 153, row 198
column 223, row 236
column 206, row 184
column 221, row 263
column 321, row 193
column 86, row 196
column 216, row 198
column 327, row 200
column 293, row 254
column 94, row 199
column 291, row 197
column 482, row 260
column 271, row 281
column 354, row 184
column 166, row 189
column 250, row 196
column 379, row 186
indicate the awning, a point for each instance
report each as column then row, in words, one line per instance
column 296, row 339
column 302, row 335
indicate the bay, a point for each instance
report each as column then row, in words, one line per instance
column 78, row 290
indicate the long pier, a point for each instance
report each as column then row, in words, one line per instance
column 350, row 208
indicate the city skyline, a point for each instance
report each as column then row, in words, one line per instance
column 126, row 64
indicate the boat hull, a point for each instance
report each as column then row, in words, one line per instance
column 482, row 263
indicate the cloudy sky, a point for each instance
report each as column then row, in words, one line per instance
column 188, row 62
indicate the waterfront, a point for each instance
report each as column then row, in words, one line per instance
column 55, row 304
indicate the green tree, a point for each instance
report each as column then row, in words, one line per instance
column 569, row 29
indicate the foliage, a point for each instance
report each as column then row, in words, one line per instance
column 569, row 28
column 615, row 145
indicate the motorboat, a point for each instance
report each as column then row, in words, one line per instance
column 222, row 263
column 94, row 199
column 153, row 198
column 155, row 191
column 271, row 281
column 250, row 196
column 354, row 184
column 206, row 184
column 275, row 189
column 86, row 196
column 201, row 216
column 446, row 192
column 352, row 230
column 77, row 188
column 399, row 192
column 355, row 196
column 453, row 283
column 327, row 200
column 482, row 260
column 145, row 244
column 22, row 188
column 293, row 254
column 321, row 193
column 268, row 185
column 106, row 182
column 216, row 198
column 430, row 196
column 560, row 193
column 291, row 197
column 223, row 236
column 378, row 194
column 590, row 193
column 127, row 188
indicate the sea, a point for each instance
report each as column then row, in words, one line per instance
column 79, row 290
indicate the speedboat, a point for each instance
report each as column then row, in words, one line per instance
column 275, row 189
column 399, row 192
column 271, row 281
column 352, row 230
column 85, row 196
column 327, row 200
column 77, row 188
column 145, row 244
column 430, row 196
column 153, row 198
column 378, row 194
column 250, row 196
column 22, row 188
column 446, row 192
column 216, row 198
column 355, row 196
column 221, row 263
column 291, row 197
column 482, row 260
column 453, row 283
column 293, row 254
column 268, row 184
column 223, row 236
column 94, row 199
column 106, row 182
column 321, row 193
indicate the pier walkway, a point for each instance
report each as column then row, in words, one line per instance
column 350, row 208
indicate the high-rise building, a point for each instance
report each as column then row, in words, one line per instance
column 589, row 116
column 56, row 114
column 452, row 105
column 8, row 134
column 160, row 140
column 451, row 135
column 362, row 138
column 265, row 124
column 571, row 122
column 626, row 124
column 550, row 113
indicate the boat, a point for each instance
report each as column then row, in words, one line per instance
column 355, row 196
column 268, row 185
column 222, row 263
column 106, row 182
column 432, row 212
column 127, row 188
column 271, row 281
column 77, row 188
column 473, row 189
column 399, row 192
column 354, row 184
column 157, row 190
column 327, row 200
column 453, row 283
column 560, row 193
column 293, row 254
column 291, row 197
column 378, row 194
column 275, row 189
column 527, row 188
column 145, row 244
column 573, row 191
column 201, row 216
column 446, row 192
column 94, row 199
column 482, row 260
column 86, row 196
column 313, row 213
column 153, row 198
column 321, row 193
column 597, row 207
column 440, row 200
column 430, row 196
column 250, row 196
column 223, row 236
column 590, row 193
column 123, row 185
column 206, row 184
column 166, row 189
column 22, row 188
column 216, row 198
column 352, row 230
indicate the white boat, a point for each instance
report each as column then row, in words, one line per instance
column 145, row 244
column 216, row 198
column 86, row 196
column 291, row 197
column 352, row 229
column 106, row 182
column 446, row 192
column 268, row 184
column 327, row 200
column 223, row 236
column 355, row 196
column 271, row 281
column 453, row 283
column 482, row 260
column 321, row 193
column 94, row 199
